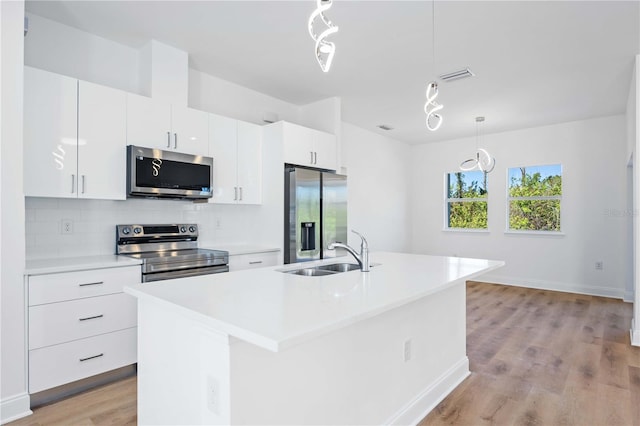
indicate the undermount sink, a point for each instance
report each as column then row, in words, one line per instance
column 310, row 272
column 321, row 270
column 339, row 267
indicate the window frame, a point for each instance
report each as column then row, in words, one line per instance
column 448, row 201
column 509, row 199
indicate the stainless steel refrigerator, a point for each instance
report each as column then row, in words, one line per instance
column 315, row 214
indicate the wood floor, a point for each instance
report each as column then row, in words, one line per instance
column 545, row 358
column 537, row 358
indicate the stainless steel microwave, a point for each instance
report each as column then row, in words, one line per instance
column 168, row 174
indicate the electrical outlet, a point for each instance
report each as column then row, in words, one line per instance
column 407, row 350
column 599, row 265
column 66, row 226
column 212, row 391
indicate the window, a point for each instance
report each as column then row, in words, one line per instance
column 534, row 198
column 467, row 200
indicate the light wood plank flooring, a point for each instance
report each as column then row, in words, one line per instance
column 537, row 358
column 545, row 358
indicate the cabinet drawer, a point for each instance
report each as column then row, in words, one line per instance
column 253, row 260
column 75, row 285
column 61, row 322
column 60, row 364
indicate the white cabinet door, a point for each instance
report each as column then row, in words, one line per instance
column 50, row 134
column 308, row 147
column 325, row 150
column 249, row 163
column 190, row 131
column 148, row 122
column 297, row 144
column 102, row 140
column 223, row 149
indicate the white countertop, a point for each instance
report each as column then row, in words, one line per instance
column 238, row 249
column 275, row 310
column 81, row 263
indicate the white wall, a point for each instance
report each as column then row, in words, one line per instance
column 593, row 155
column 378, row 182
column 211, row 94
column 59, row 48
column 14, row 401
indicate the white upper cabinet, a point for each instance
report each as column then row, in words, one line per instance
column 236, row 148
column 325, row 148
column 50, row 134
column 74, row 138
column 156, row 124
column 308, row 147
column 223, row 149
column 148, row 122
column 102, row 142
column 249, row 163
column 190, row 129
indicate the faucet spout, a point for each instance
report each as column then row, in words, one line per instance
column 362, row 257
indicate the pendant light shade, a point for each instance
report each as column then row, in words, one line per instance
column 324, row 49
column 482, row 161
column 431, row 107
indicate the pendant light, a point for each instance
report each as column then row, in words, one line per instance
column 431, row 107
column 482, row 161
column 324, row 49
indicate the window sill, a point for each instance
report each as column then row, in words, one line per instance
column 537, row 233
column 467, row 230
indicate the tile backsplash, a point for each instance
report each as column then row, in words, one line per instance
column 93, row 223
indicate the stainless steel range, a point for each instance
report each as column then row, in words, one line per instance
column 169, row 251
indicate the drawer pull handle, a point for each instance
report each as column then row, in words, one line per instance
column 96, row 283
column 90, row 318
column 255, row 262
column 91, row 357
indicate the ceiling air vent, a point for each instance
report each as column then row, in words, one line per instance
column 384, row 127
column 456, row 75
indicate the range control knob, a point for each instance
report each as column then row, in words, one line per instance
column 126, row 230
column 192, row 228
column 183, row 229
column 137, row 230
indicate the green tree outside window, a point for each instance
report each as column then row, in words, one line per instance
column 467, row 200
column 535, row 194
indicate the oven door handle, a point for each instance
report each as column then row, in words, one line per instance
column 166, row 275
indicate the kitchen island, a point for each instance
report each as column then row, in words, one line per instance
column 266, row 347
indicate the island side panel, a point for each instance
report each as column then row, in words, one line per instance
column 183, row 368
column 357, row 375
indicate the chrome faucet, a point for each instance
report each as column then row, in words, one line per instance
column 362, row 258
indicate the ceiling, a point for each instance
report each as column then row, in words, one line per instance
column 536, row 63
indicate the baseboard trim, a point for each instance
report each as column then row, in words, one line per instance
column 414, row 411
column 616, row 293
column 634, row 334
column 14, row 408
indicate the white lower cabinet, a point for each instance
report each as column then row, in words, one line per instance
column 80, row 324
column 56, row 365
column 76, row 319
column 239, row 262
